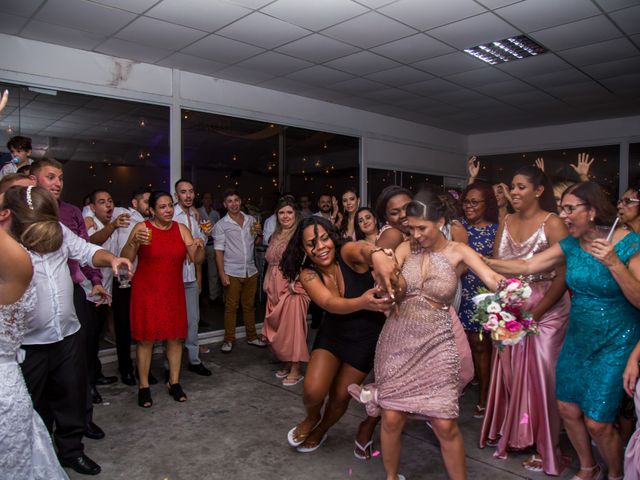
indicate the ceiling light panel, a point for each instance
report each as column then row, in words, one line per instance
column 507, row 50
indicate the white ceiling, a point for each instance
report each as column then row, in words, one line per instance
column 401, row 58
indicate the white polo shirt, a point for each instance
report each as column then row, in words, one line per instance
column 189, row 220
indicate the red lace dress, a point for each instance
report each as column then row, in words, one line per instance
column 158, row 306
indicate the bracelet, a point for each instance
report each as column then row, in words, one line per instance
column 387, row 251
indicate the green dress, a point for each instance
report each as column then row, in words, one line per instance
column 603, row 329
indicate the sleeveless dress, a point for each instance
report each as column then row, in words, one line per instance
column 158, row 306
column 26, row 450
column 285, row 319
column 462, row 343
column 603, row 329
column 632, row 452
column 481, row 240
column 352, row 337
column 521, row 408
column 417, row 363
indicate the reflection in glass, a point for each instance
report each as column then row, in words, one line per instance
column 557, row 165
column 102, row 142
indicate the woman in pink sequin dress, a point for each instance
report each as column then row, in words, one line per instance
column 417, row 364
column 521, row 408
column 285, row 319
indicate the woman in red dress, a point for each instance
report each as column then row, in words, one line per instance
column 158, row 307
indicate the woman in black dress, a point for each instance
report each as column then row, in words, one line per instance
column 338, row 279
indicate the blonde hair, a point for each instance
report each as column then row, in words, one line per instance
column 34, row 218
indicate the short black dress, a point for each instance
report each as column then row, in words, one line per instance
column 352, row 337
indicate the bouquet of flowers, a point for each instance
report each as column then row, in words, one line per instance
column 502, row 313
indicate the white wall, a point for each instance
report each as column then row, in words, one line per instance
column 386, row 141
column 583, row 134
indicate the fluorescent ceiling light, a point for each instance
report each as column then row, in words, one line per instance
column 46, row 91
column 507, row 50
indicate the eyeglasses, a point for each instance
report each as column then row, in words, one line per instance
column 626, row 201
column 569, row 209
column 472, row 203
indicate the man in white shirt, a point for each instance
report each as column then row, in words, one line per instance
column 207, row 212
column 107, row 222
column 185, row 213
column 234, row 239
column 54, row 365
column 138, row 212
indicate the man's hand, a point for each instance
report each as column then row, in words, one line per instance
column 121, row 221
column 99, row 291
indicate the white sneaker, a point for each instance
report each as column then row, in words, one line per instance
column 257, row 343
column 226, row 347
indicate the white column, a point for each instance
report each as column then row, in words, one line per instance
column 175, row 132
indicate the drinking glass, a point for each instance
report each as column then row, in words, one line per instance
column 123, row 277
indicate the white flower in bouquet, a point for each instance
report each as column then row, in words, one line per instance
column 507, row 317
column 512, row 287
column 494, row 307
column 526, row 292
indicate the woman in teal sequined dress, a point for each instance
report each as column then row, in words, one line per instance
column 604, row 323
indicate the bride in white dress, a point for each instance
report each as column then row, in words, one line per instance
column 26, row 450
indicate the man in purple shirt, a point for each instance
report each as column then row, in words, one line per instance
column 48, row 174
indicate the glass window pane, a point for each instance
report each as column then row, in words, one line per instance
column 634, row 164
column 557, row 165
column 102, row 142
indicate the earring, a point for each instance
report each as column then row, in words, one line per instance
column 591, row 219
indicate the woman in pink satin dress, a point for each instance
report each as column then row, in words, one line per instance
column 632, row 387
column 521, row 408
column 285, row 319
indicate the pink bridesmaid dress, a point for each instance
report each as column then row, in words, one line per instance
column 632, row 453
column 521, row 408
column 285, row 319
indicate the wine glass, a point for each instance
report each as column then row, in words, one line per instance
column 123, row 277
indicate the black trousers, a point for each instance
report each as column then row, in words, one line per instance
column 85, row 310
column 121, row 321
column 56, row 378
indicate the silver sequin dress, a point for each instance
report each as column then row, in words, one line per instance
column 417, row 363
column 26, row 451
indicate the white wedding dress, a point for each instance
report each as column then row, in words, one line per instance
column 26, row 451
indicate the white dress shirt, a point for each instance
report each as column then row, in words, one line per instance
column 55, row 317
column 237, row 244
column 111, row 245
column 189, row 220
column 269, row 227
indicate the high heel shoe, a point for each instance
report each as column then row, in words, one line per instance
column 596, row 473
column 144, row 397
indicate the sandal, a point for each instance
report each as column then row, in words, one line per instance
column 144, row 397
column 596, row 473
column 533, row 463
column 176, row 392
column 366, row 448
column 282, row 373
column 479, row 413
column 291, row 381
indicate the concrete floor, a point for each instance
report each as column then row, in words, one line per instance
column 234, row 426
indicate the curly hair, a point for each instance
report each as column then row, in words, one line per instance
column 489, row 197
column 34, row 218
column 356, row 225
column 294, row 257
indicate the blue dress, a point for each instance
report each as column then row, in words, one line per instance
column 481, row 240
column 603, row 329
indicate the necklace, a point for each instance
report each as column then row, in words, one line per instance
column 334, row 278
